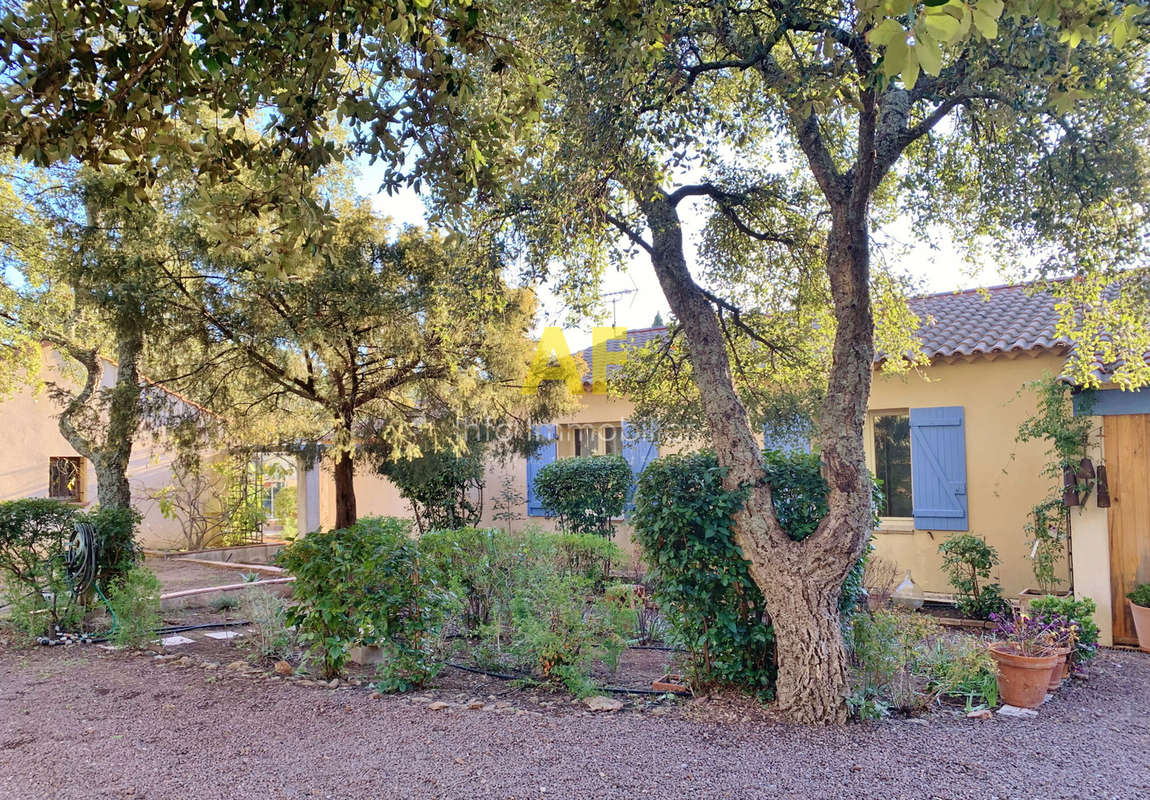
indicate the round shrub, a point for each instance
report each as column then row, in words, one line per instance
column 33, row 533
column 585, row 492
column 366, row 585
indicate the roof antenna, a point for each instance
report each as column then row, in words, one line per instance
column 614, row 299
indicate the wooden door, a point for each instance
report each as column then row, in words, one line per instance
column 1127, row 439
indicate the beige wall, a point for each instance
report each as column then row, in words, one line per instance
column 1004, row 478
column 29, row 436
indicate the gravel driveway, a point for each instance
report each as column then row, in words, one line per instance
column 87, row 723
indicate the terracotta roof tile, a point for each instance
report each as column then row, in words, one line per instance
column 1000, row 319
column 997, row 319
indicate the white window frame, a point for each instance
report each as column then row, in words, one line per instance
column 886, row 524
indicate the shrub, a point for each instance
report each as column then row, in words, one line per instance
column 366, row 585
column 879, row 579
column 528, row 603
column 585, row 554
column 441, row 486
column 116, row 550
column 33, row 538
column 905, row 662
column 1080, row 613
column 968, row 562
column 586, row 492
column 961, row 667
column 699, row 576
column 134, row 601
column 559, row 632
column 270, row 637
column 479, row 567
column 882, row 648
column 225, row 602
column 33, row 533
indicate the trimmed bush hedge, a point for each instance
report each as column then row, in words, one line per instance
column 586, row 492
column 699, row 576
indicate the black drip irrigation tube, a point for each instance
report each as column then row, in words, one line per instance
column 164, row 631
column 506, row 676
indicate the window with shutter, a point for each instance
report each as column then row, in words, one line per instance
column 938, row 466
column 544, row 455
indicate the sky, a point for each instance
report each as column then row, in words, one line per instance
column 936, row 268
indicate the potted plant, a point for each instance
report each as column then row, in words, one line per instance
column 1047, row 534
column 1079, row 611
column 1139, row 600
column 1026, row 653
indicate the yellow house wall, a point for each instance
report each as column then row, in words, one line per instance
column 1004, row 478
column 30, row 435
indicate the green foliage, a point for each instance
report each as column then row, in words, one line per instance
column 1068, row 439
column 270, row 639
column 507, row 503
column 559, row 629
column 33, row 536
column 587, row 555
column 1080, row 613
column 960, row 667
column 586, row 492
column 1055, row 423
column 134, row 600
column 478, row 566
column 1047, row 529
column 529, row 603
column 1140, row 596
column 699, row 575
column 905, row 662
column 116, row 549
column 441, row 486
column 968, row 561
column 366, row 585
column 225, row 602
column 284, row 507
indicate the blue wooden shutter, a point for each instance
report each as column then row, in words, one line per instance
column 938, row 468
column 545, row 455
column 789, row 437
column 639, row 452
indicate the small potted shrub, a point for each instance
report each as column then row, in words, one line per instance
column 1046, row 535
column 969, row 561
column 1079, row 611
column 1140, row 609
column 1026, row 653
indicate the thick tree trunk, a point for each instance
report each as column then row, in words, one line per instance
column 345, row 515
column 801, row 581
column 124, row 410
column 106, row 436
column 812, row 664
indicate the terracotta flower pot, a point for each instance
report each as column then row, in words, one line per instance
column 1058, row 671
column 1023, row 680
column 1141, row 616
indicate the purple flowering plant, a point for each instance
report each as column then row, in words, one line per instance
column 1035, row 636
